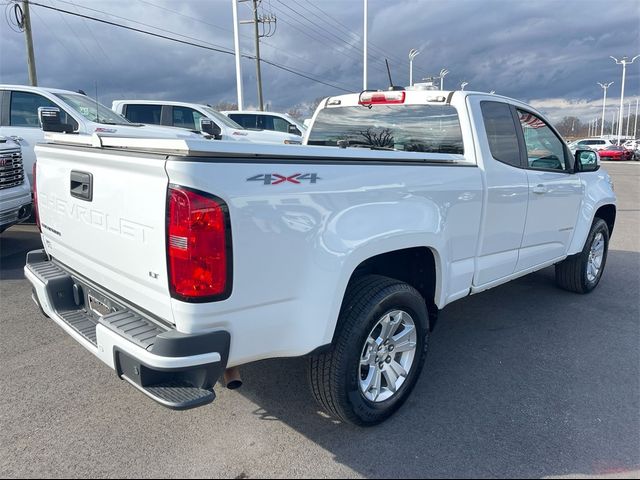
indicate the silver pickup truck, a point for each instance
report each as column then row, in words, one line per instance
column 15, row 192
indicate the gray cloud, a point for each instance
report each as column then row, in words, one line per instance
column 536, row 51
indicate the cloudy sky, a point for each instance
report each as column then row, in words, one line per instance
column 549, row 53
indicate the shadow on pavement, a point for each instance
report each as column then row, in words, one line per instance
column 14, row 245
column 525, row 380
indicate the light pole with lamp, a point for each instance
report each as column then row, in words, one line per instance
column 443, row 73
column 463, row 84
column 413, row 53
column 604, row 86
column 624, row 62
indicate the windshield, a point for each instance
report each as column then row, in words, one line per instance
column 411, row 128
column 92, row 110
column 219, row 117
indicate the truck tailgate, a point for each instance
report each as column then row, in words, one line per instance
column 103, row 216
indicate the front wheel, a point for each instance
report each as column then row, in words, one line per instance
column 378, row 354
column 581, row 273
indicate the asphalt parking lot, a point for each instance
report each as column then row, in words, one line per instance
column 524, row 380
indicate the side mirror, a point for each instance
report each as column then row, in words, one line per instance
column 50, row 120
column 294, row 130
column 207, row 126
column 587, row 161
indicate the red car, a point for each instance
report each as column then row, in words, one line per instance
column 616, row 153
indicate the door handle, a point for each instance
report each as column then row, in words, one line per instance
column 540, row 189
column 81, row 185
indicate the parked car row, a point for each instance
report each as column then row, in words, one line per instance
column 607, row 149
column 19, row 120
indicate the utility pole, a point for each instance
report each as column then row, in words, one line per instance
column 31, row 60
column 258, row 73
column 236, row 44
column 628, row 118
column 264, row 20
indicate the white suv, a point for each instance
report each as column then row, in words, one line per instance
column 592, row 143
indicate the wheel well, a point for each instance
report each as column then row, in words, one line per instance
column 415, row 266
column 608, row 214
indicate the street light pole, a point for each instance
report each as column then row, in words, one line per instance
column 624, row 62
column 236, row 43
column 365, row 38
column 635, row 124
column 604, row 86
column 463, row 84
column 443, row 73
column 413, row 53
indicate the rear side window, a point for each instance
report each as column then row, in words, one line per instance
column 501, row 132
column 24, row 110
column 144, row 114
column 247, row 121
column 411, row 128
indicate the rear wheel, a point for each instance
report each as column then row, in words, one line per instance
column 379, row 351
column 581, row 273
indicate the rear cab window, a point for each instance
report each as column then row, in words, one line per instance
column 408, row 128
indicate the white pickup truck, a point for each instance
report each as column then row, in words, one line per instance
column 19, row 120
column 174, row 261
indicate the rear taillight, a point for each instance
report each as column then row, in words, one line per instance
column 35, row 198
column 198, row 246
column 382, row 98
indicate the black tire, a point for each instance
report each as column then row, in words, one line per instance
column 335, row 375
column 571, row 273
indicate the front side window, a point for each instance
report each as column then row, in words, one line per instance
column 545, row 151
column 185, row 117
column 410, row 128
column 501, row 132
column 24, row 110
column 280, row 125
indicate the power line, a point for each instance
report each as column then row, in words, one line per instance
column 84, row 22
column 55, row 35
column 347, row 54
column 185, row 42
column 372, row 46
column 248, row 37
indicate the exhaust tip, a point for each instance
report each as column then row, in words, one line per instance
column 232, row 379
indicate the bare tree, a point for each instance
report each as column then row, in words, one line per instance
column 223, row 106
column 380, row 138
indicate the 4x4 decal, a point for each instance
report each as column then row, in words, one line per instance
column 276, row 179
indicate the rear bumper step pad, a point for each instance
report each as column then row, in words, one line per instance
column 176, row 387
